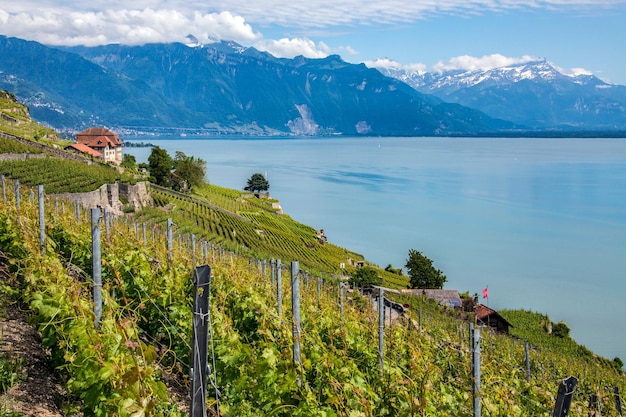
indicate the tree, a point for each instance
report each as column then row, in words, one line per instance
column 129, row 161
column 364, row 277
column 190, row 171
column 422, row 272
column 160, row 163
column 257, row 183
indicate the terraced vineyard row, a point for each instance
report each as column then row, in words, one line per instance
column 61, row 176
column 145, row 331
column 12, row 146
column 261, row 233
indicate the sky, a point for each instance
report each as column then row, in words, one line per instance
column 577, row 36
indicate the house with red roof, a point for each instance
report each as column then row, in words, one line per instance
column 102, row 141
column 490, row 317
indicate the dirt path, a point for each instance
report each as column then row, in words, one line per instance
column 39, row 393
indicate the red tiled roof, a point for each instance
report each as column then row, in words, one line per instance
column 85, row 149
column 98, row 142
column 88, row 136
column 482, row 311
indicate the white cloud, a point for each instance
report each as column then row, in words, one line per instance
column 386, row 63
column 124, row 26
column 486, row 62
column 290, row 48
column 573, row 72
column 92, row 21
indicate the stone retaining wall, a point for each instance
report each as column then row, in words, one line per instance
column 114, row 197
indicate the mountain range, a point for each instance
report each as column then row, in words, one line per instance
column 224, row 88
column 221, row 88
column 534, row 94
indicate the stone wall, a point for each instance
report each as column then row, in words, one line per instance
column 21, row 156
column 60, row 153
column 114, row 197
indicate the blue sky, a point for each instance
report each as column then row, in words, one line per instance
column 575, row 35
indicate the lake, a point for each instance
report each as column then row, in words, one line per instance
column 541, row 222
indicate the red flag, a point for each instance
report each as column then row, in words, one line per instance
column 486, row 292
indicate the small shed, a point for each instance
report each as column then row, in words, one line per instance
column 490, row 317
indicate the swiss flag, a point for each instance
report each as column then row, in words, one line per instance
column 486, row 292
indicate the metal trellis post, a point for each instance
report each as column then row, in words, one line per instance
column 17, row 194
column 279, row 287
column 475, row 330
column 200, row 340
column 42, row 219
column 381, row 329
column 96, row 264
column 527, row 356
column 170, row 244
column 295, row 309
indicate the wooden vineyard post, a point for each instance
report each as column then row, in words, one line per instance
column 200, row 340
column 4, row 189
column 96, row 264
column 618, row 400
column 564, row 397
column 592, row 405
column 295, row 309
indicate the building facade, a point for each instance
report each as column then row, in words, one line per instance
column 104, row 141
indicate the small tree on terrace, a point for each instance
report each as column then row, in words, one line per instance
column 190, row 170
column 160, row 163
column 364, row 277
column 129, row 161
column 257, row 183
column 422, row 272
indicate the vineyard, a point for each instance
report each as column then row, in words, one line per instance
column 248, row 226
column 60, row 175
column 15, row 120
column 143, row 338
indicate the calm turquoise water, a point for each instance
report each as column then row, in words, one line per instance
column 542, row 222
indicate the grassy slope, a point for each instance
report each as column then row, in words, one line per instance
column 18, row 122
